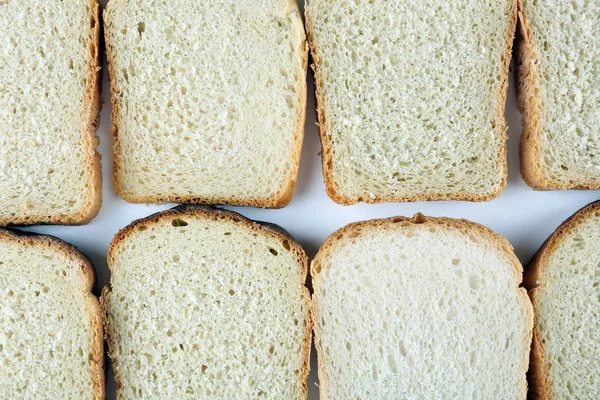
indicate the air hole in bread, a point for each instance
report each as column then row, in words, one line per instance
column 178, row 222
column 286, row 245
column 141, row 27
column 474, row 282
column 354, row 234
column 273, row 251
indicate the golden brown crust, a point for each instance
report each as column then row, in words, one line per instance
column 89, row 123
column 349, row 231
column 529, row 103
column 539, row 376
column 281, row 199
column 326, row 143
column 87, row 275
column 215, row 214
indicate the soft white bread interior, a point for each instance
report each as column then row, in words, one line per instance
column 411, row 97
column 207, row 304
column 420, row 308
column 49, row 103
column 558, row 74
column 208, row 99
column 51, row 344
column 564, row 285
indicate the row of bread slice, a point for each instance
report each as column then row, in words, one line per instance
column 209, row 101
column 205, row 303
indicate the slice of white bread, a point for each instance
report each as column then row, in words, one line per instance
column 207, row 304
column 49, row 104
column 563, row 280
column 426, row 308
column 51, row 344
column 558, row 76
column 411, row 97
column 208, row 99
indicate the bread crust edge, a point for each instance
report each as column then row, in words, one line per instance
column 287, row 188
column 495, row 239
column 326, row 145
column 87, row 276
column 539, row 375
column 208, row 212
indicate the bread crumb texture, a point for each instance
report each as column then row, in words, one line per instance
column 208, row 98
column 567, row 302
column 48, row 109
column 46, row 327
column 565, row 59
column 420, row 310
column 207, row 308
column 411, row 97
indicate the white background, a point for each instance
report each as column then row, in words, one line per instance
column 523, row 216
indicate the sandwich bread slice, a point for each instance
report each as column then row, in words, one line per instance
column 49, row 103
column 563, row 280
column 558, row 77
column 426, row 308
column 208, row 100
column 207, row 304
column 411, row 96
column 51, row 343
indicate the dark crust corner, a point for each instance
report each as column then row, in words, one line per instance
column 534, row 267
column 51, row 240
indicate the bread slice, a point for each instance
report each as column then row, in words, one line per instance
column 563, row 280
column 208, row 100
column 411, row 97
column 420, row 308
column 558, row 78
column 51, row 343
column 49, row 104
column 207, row 304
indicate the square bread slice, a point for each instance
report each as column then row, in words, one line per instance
column 563, row 280
column 410, row 97
column 558, row 81
column 51, row 343
column 422, row 308
column 49, row 104
column 205, row 304
column 208, row 100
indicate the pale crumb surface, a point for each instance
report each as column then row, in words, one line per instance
column 565, row 39
column 412, row 95
column 44, row 58
column 420, row 311
column 208, row 96
column 209, row 310
column 567, row 304
column 45, row 324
